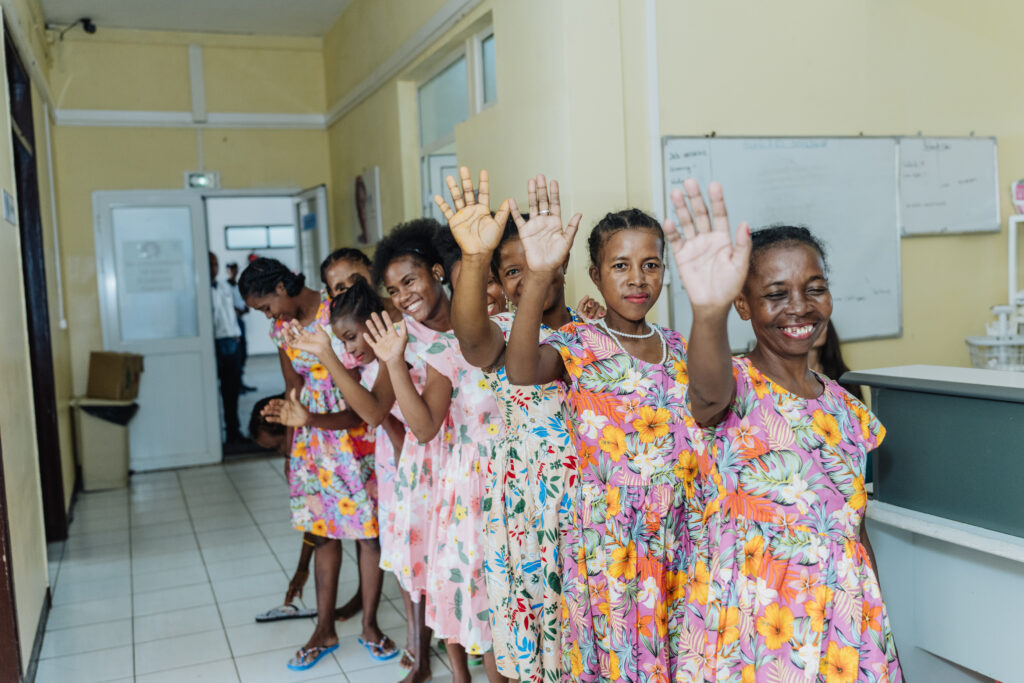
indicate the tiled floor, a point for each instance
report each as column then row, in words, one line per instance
column 162, row 581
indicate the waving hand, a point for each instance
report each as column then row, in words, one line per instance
column 545, row 243
column 712, row 265
column 472, row 225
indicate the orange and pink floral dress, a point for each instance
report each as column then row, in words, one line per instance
column 331, row 481
column 785, row 584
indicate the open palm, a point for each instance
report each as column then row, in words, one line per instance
column 545, row 244
column 315, row 342
column 713, row 267
column 387, row 340
column 471, row 223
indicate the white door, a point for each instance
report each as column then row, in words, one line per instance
column 314, row 232
column 154, row 286
column 437, row 167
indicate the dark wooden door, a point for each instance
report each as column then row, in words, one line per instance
column 36, row 308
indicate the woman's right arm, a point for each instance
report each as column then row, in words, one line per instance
column 713, row 270
column 546, row 246
column 372, row 405
column 478, row 234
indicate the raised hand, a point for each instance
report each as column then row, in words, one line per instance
column 545, row 244
column 287, row 411
column 315, row 342
column 471, row 222
column 712, row 265
column 387, row 342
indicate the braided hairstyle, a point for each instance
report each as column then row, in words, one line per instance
column 628, row 219
column 343, row 254
column 358, row 302
column 262, row 275
column 413, row 239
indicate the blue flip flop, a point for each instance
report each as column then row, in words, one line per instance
column 298, row 662
column 380, row 648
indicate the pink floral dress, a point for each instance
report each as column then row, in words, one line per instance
column 530, row 490
column 625, row 613
column 458, row 608
column 333, row 490
column 790, row 593
column 385, row 468
column 408, row 525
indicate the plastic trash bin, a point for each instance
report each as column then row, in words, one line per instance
column 101, row 439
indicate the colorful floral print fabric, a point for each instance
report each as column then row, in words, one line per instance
column 458, row 608
column 625, row 612
column 331, row 480
column 409, row 524
column 790, row 593
column 530, row 489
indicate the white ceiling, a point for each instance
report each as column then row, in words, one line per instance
column 266, row 17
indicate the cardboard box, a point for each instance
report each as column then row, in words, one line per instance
column 114, row 376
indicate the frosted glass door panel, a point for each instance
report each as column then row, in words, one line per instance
column 156, row 277
column 443, row 103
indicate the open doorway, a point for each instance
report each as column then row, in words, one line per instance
column 291, row 228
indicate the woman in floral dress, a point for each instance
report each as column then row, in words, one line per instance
column 790, row 592
column 331, row 478
column 531, row 482
column 625, row 614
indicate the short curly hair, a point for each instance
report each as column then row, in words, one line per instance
column 414, row 239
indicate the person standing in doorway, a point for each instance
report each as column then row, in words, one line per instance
column 240, row 311
column 227, row 338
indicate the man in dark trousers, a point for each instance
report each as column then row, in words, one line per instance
column 240, row 310
column 228, row 339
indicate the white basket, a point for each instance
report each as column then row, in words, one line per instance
column 994, row 353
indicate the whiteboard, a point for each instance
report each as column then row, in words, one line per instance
column 948, row 185
column 844, row 190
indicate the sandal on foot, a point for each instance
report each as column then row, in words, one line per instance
column 299, row 663
column 381, row 651
column 408, row 661
column 286, row 612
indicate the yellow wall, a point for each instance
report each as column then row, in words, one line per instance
column 17, row 437
column 800, row 67
column 241, row 74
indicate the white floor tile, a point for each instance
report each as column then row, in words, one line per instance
column 231, row 589
column 244, row 534
column 248, row 639
column 91, row 612
column 180, row 622
column 162, row 562
column 144, row 546
column 172, row 598
column 271, row 667
column 229, row 521
column 243, row 567
column 88, row 667
column 235, row 551
column 95, row 570
column 70, row 641
column 222, row 671
column 150, row 517
column 169, row 578
column 174, row 653
column 71, row 590
column 163, row 529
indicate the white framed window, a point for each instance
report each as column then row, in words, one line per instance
column 259, row 236
column 485, row 73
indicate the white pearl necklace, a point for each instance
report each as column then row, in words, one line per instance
column 611, row 333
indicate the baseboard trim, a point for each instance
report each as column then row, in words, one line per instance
column 37, row 644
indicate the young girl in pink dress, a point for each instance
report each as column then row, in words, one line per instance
column 789, row 591
column 464, row 413
column 626, row 614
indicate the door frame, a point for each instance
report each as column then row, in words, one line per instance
column 37, row 311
